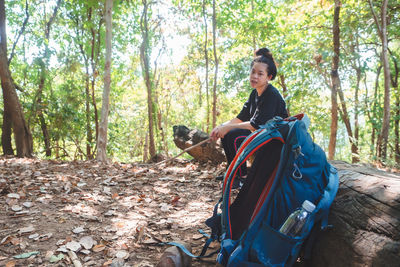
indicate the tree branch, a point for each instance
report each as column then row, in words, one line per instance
column 21, row 31
column 187, row 149
column 378, row 26
column 51, row 20
column 324, row 75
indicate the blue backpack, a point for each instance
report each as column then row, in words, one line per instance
column 288, row 169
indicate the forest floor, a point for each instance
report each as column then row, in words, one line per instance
column 104, row 214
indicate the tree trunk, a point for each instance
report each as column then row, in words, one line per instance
column 43, row 72
column 6, row 133
column 102, row 139
column 206, row 59
column 89, row 136
column 355, row 153
column 146, row 148
column 253, row 36
column 335, row 82
column 395, row 84
column 46, row 136
column 396, row 129
column 200, row 91
column 214, row 105
column 282, row 83
column 20, row 33
column 366, row 220
column 88, row 60
column 13, row 114
column 383, row 141
column 162, row 131
column 22, row 134
column 372, row 117
column 382, row 30
column 7, row 123
column 3, row 33
column 94, row 57
column 39, row 108
column 144, row 58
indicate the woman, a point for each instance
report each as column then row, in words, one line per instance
column 264, row 103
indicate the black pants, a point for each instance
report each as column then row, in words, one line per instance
column 231, row 143
column 264, row 164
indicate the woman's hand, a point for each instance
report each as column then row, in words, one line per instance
column 219, row 132
column 214, row 135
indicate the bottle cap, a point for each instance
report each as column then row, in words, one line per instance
column 308, row 206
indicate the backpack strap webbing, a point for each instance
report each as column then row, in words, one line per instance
column 187, row 252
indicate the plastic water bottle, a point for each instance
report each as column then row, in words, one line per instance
column 293, row 225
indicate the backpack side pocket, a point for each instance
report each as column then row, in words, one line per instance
column 272, row 248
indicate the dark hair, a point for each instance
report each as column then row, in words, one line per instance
column 263, row 55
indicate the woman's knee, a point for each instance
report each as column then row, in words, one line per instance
column 233, row 135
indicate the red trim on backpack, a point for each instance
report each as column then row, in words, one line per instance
column 236, row 148
column 295, row 117
column 264, row 193
column 230, row 185
column 242, row 147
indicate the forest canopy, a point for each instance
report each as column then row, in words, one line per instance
column 186, row 62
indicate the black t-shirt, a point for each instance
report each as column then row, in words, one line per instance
column 259, row 109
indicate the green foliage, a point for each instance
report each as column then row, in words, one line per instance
column 297, row 32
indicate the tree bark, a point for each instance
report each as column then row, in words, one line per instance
column 146, row 148
column 13, row 114
column 3, row 32
column 102, row 139
column 94, row 57
column 214, row 105
column 355, row 152
column 43, row 72
column 21, row 31
column 22, row 134
column 382, row 31
column 89, row 136
column 144, row 58
column 365, row 218
column 206, row 59
column 39, row 109
column 335, row 82
column 395, row 84
column 6, row 133
column 396, row 128
column 282, row 83
column 7, row 122
column 383, row 141
column 253, row 36
column 372, row 115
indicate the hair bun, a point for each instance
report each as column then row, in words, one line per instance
column 264, row 52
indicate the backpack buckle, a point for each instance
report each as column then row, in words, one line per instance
column 296, row 172
column 297, row 151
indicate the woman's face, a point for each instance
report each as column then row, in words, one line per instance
column 259, row 76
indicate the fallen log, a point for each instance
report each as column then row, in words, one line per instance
column 366, row 220
column 207, row 152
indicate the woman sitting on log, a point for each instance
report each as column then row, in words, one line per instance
column 264, row 103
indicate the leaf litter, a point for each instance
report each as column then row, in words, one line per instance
column 84, row 213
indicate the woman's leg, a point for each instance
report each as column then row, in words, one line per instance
column 231, row 143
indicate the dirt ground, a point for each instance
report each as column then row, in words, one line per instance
column 56, row 213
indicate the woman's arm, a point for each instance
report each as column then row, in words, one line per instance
column 221, row 130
